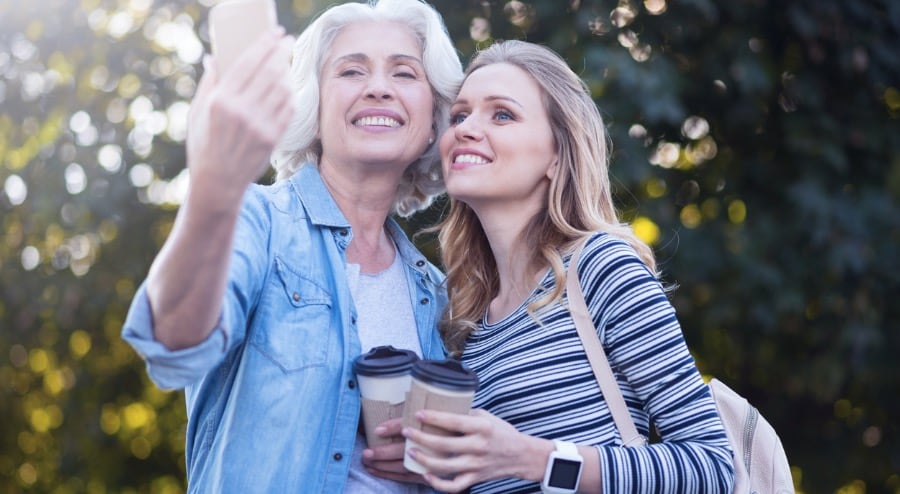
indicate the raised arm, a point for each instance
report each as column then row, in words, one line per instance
column 235, row 122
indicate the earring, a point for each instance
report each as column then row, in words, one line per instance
column 431, row 140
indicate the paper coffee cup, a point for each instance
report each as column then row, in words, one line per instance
column 383, row 374
column 445, row 385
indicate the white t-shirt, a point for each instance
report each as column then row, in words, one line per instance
column 384, row 317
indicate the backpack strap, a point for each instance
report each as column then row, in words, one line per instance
column 597, row 356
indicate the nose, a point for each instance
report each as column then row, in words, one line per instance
column 468, row 130
column 379, row 88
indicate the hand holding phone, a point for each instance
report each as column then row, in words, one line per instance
column 234, row 25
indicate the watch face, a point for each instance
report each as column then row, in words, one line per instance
column 564, row 474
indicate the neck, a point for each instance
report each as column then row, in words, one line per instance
column 518, row 274
column 366, row 200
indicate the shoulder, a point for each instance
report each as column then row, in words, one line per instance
column 274, row 203
column 277, row 195
column 611, row 262
column 604, row 248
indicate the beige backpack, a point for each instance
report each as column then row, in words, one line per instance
column 760, row 463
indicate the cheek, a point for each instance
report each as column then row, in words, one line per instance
column 327, row 109
column 445, row 142
column 420, row 103
column 542, row 146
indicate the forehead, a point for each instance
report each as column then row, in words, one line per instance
column 502, row 79
column 375, row 40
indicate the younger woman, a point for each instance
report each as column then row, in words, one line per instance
column 526, row 166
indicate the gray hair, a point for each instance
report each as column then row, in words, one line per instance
column 422, row 181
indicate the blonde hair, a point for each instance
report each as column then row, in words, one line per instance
column 422, row 181
column 579, row 199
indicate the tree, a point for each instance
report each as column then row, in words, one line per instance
column 752, row 148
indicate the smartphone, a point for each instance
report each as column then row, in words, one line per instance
column 234, row 25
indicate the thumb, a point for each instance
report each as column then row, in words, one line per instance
column 209, row 77
column 205, row 85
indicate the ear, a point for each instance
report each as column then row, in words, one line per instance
column 552, row 169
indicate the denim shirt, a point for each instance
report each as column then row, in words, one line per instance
column 272, row 401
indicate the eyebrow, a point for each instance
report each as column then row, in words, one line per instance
column 491, row 98
column 362, row 57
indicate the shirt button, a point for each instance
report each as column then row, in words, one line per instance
column 343, row 233
column 424, row 301
column 353, row 320
column 338, row 457
column 420, row 263
column 296, row 297
column 351, row 384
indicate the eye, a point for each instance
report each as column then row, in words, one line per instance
column 351, row 72
column 504, row 115
column 457, row 118
column 406, row 74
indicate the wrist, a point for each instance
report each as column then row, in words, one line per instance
column 536, row 457
column 562, row 474
column 205, row 199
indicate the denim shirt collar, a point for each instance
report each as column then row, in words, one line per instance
column 316, row 199
column 322, row 210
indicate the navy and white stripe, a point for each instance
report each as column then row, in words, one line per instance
column 537, row 377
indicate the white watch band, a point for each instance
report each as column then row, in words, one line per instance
column 563, row 472
column 566, row 447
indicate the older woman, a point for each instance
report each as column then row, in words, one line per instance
column 262, row 296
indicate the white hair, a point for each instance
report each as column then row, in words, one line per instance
column 422, row 181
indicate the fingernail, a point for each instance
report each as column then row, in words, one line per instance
column 380, row 430
column 368, row 453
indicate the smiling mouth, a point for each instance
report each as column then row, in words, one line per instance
column 470, row 159
column 376, row 122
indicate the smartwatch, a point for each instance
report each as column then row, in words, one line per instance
column 563, row 470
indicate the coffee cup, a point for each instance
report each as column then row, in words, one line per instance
column 383, row 374
column 445, row 385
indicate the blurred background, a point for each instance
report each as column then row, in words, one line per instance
column 756, row 147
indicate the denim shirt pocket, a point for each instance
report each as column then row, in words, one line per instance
column 295, row 332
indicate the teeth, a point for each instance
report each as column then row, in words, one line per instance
column 470, row 158
column 377, row 121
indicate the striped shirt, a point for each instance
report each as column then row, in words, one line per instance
column 538, row 378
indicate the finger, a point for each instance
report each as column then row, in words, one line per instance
column 277, row 115
column 384, row 452
column 451, row 484
column 271, row 76
column 407, row 477
column 453, row 422
column 445, row 445
column 394, row 466
column 390, row 427
column 434, row 442
column 447, row 464
column 278, row 97
column 205, row 86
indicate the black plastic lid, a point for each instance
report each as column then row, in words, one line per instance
column 447, row 374
column 385, row 361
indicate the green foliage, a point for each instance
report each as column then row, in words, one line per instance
column 755, row 146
